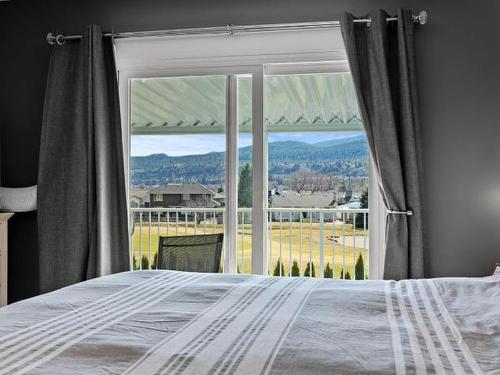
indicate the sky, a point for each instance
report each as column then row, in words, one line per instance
column 197, row 144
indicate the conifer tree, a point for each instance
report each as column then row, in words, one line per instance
column 309, row 267
column 154, row 265
column 279, row 265
column 347, row 276
column 245, row 187
column 359, row 269
column 295, row 269
column 328, row 273
column 145, row 262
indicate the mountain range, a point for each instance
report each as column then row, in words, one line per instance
column 347, row 157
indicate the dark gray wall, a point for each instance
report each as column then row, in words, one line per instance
column 459, row 78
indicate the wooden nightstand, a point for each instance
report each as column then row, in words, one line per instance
column 4, row 217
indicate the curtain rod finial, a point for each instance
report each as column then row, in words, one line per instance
column 51, row 39
column 422, row 18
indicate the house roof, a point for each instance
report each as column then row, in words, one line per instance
column 197, row 104
column 187, row 188
column 321, row 199
column 355, row 205
column 142, row 194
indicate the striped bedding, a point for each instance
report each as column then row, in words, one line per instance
column 164, row 322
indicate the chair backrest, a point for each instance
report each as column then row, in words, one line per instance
column 198, row 253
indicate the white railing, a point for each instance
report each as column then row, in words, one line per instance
column 321, row 242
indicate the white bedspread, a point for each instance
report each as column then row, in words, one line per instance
column 163, row 322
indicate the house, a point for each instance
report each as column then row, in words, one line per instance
column 191, row 194
column 292, row 199
column 139, row 197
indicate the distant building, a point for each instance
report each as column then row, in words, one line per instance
column 190, row 194
column 292, row 199
column 139, row 197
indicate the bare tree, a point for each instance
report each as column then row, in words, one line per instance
column 299, row 180
column 317, row 182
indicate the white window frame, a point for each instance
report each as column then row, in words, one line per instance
column 298, row 52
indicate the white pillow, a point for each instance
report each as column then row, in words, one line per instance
column 18, row 199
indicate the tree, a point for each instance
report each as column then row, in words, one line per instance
column 359, row 269
column 279, row 265
column 363, row 203
column 347, row 275
column 307, row 272
column 317, row 182
column 328, row 273
column 134, row 263
column 298, row 180
column 245, row 187
column 145, row 262
column 154, row 265
column 295, row 269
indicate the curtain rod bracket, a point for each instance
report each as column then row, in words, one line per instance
column 55, row 39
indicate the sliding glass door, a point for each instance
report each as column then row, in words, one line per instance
column 274, row 157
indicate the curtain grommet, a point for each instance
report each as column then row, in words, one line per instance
column 60, row 39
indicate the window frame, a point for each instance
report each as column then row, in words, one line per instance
column 258, row 66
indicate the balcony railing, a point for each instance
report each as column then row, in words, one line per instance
column 301, row 241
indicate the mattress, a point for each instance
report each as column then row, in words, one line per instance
column 165, row 322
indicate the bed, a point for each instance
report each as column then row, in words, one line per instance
column 166, row 322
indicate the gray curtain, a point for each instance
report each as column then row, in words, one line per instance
column 382, row 61
column 82, row 217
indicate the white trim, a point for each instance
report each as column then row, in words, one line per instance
column 277, row 53
column 259, row 177
column 231, row 188
column 376, row 225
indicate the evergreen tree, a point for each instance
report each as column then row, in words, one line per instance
column 145, row 262
column 279, row 265
column 347, row 276
column 308, row 272
column 154, row 265
column 295, row 269
column 245, row 187
column 328, row 274
column 134, row 263
column 359, row 269
column 363, row 203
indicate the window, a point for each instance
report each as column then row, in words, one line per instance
column 265, row 139
column 158, row 197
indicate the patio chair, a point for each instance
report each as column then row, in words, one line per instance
column 198, row 253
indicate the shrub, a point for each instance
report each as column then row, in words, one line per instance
column 279, row 265
column 359, row 269
column 295, row 269
column 347, row 275
column 309, row 267
column 154, row 265
column 328, row 273
column 145, row 262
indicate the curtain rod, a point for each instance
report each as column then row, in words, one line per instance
column 420, row 19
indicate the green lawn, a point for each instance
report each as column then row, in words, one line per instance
column 291, row 245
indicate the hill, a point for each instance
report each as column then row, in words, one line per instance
column 345, row 157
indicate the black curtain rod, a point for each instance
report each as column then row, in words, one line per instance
column 420, row 19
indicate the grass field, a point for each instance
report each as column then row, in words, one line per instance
column 341, row 245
